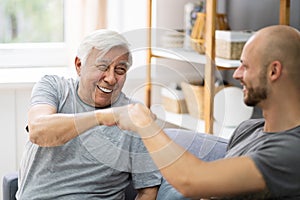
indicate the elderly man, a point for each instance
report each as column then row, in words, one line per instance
column 71, row 154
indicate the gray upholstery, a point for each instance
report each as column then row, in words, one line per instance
column 205, row 146
column 10, row 185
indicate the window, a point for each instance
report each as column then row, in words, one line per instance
column 46, row 33
column 32, row 33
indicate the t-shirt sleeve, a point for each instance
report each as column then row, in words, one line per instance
column 45, row 91
column 279, row 163
column 144, row 171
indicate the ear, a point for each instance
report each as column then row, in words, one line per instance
column 78, row 65
column 275, row 70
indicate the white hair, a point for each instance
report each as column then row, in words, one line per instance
column 103, row 40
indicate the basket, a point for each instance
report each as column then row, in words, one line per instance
column 229, row 50
column 194, row 95
column 198, row 31
column 173, row 100
column 194, row 98
column 229, row 44
column 174, row 106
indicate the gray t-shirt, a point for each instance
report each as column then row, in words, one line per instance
column 98, row 164
column 275, row 154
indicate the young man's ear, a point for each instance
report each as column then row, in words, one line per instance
column 78, row 65
column 275, row 70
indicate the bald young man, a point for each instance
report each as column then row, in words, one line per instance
column 262, row 161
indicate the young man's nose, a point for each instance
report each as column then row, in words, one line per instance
column 238, row 73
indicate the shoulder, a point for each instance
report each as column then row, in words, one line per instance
column 55, row 82
column 277, row 159
column 52, row 89
column 251, row 124
column 248, row 126
column 51, row 78
column 57, row 79
column 245, row 128
column 285, row 140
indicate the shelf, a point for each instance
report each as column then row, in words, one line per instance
column 182, row 54
column 185, row 121
column 208, row 123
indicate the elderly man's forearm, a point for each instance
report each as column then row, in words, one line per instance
column 57, row 129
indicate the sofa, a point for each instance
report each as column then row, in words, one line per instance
column 205, row 146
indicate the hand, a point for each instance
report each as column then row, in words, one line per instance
column 134, row 117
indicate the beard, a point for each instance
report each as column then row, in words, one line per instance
column 255, row 96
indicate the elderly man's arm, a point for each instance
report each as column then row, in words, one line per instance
column 149, row 193
column 49, row 128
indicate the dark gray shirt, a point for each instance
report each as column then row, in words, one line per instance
column 97, row 164
column 275, row 154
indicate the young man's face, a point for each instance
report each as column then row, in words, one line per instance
column 102, row 77
column 253, row 76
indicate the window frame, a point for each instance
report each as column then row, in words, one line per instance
column 28, row 55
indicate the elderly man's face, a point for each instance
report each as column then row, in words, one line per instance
column 102, row 77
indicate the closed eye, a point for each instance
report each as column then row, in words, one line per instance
column 102, row 67
column 121, row 69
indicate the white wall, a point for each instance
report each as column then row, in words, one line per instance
column 13, row 118
column 256, row 14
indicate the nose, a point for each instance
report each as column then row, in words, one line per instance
column 238, row 73
column 109, row 76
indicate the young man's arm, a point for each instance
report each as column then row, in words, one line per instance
column 198, row 179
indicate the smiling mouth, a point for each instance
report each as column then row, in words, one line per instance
column 105, row 90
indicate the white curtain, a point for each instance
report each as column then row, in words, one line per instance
column 94, row 15
column 82, row 17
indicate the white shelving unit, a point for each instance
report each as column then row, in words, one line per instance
column 185, row 120
column 207, row 125
column 182, row 54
